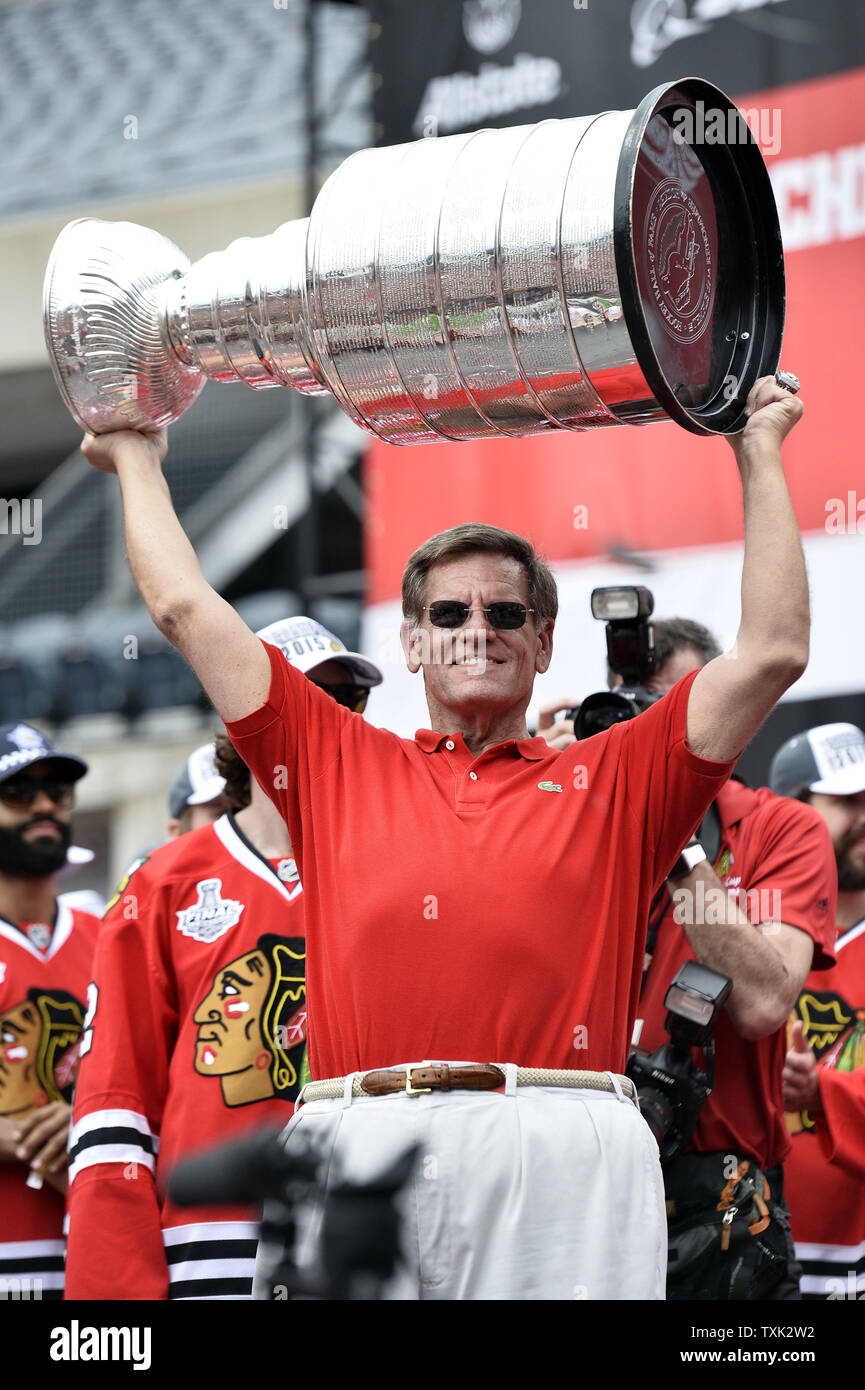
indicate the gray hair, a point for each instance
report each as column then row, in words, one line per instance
column 472, row 538
column 672, row 635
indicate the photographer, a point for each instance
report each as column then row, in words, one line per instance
column 466, row 901
column 753, row 902
column 760, row 910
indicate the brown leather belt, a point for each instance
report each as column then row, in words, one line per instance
column 421, row 1078
column 434, row 1076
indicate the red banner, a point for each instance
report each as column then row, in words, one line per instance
column 657, row 486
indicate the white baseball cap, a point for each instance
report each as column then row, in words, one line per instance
column 829, row 759
column 198, row 782
column 306, row 644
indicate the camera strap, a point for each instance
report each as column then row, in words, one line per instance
column 657, row 912
column 709, row 833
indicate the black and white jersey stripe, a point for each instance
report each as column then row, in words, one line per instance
column 206, row 1260
column 828, row 1269
column 211, row 1259
column 112, row 1136
column 32, row 1269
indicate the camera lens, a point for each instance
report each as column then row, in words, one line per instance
column 657, row 1110
column 606, row 718
column 601, row 711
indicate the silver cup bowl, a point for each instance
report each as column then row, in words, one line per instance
column 613, row 269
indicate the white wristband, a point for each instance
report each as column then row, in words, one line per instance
column 691, row 856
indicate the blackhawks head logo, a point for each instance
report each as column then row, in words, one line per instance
column 835, row 1032
column 252, row 1023
column 39, row 1040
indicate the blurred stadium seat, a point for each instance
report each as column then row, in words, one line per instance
column 215, row 93
column 24, row 693
column 260, row 610
column 203, row 117
column 84, row 684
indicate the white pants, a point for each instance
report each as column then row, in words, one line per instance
column 539, row 1193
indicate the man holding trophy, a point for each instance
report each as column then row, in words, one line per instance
column 494, row 940
column 502, row 896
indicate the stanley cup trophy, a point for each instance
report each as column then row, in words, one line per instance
column 602, row 270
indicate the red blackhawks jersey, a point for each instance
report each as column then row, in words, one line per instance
column 196, row 1033
column 824, row 1175
column 43, row 987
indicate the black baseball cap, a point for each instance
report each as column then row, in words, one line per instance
column 21, row 746
column 829, row 759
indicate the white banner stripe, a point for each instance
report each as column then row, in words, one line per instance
column 111, row 1153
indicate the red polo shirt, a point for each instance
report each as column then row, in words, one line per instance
column 778, row 850
column 473, row 909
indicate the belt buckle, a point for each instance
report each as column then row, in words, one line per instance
column 411, row 1090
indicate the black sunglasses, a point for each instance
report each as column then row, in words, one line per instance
column 449, row 612
column 354, row 697
column 23, row 791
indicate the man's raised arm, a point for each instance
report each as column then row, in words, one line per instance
column 227, row 657
column 732, row 695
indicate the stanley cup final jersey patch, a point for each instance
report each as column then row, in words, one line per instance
column 212, row 915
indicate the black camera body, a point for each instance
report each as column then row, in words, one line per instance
column 630, row 653
column 671, row 1090
column 358, row 1247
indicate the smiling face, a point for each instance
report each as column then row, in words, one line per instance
column 478, row 669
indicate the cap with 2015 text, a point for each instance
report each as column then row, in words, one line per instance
column 829, row 759
column 306, row 644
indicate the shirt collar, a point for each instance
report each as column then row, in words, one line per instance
column 532, row 749
column 735, row 801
